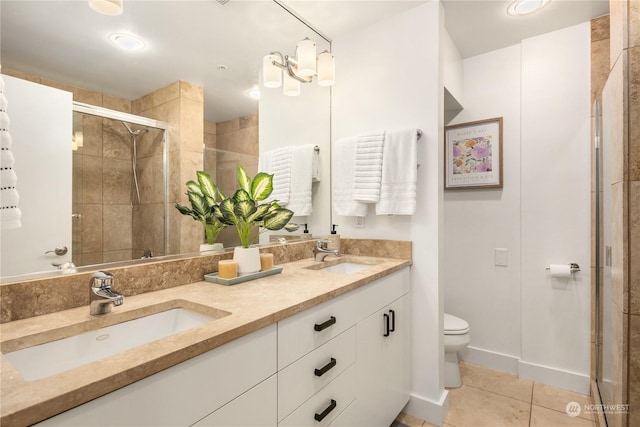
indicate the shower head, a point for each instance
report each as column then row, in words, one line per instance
column 134, row 132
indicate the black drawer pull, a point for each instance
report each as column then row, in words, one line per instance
column 386, row 325
column 325, row 325
column 393, row 321
column 327, row 411
column 320, row 372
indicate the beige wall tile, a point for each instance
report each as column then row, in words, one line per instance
column 619, row 245
column 175, row 186
column 117, row 227
column 634, row 23
column 210, row 141
column 91, row 228
column 191, row 91
column 116, row 103
column 76, row 178
column 634, row 112
column 92, row 180
column 116, row 140
column 21, row 75
column 148, row 228
column 600, row 67
column 169, row 113
column 150, row 143
column 57, row 85
column 619, row 137
column 227, row 126
column 92, row 258
column 87, row 96
column 209, row 127
column 92, row 134
column 634, row 247
column 116, row 184
column 600, row 28
column 249, row 121
column 191, row 125
column 229, row 141
column 248, row 141
column 142, row 104
column 114, row 256
column 166, row 94
column 151, row 179
column 618, row 27
column 190, row 162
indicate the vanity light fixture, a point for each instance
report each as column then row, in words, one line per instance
column 289, row 72
column 107, row 7
column 77, row 140
column 525, row 7
column 127, row 41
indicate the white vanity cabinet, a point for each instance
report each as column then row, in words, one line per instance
column 188, row 392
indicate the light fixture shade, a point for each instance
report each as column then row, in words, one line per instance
column 107, row 7
column 78, row 138
column 291, row 86
column 326, row 69
column 271, row 75
column 306, row 57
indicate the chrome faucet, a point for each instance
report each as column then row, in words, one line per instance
column 101, row 295
column 321, row 251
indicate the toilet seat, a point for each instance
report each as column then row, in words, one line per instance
column 454, row 325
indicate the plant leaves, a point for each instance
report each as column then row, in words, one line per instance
column 241, row 195
column 261, row 186
column 194, row 187
column 244, row 208
column 217, row 212
column 243, row 179
column 258, row 215
column 227, row 214
column 291, row 226
column 183, row 209
column 277, row 219
column 206, row 184
column 198, row 204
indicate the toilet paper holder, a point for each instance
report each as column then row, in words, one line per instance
column 574, row 267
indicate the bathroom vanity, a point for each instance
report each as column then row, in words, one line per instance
column 304, row 347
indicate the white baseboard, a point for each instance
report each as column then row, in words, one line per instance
column 491, row 359
column 431, row 411
column 566, row 380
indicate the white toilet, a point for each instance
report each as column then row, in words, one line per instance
column 456, row 338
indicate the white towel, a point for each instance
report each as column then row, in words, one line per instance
column 315, row 174
column 399, row 173
column 343, row 153
column 367, row 170
column 301, row 177
column 278, row 163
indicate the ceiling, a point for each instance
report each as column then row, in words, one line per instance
column 187, row 40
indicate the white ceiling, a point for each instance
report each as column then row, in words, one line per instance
column 67, row 41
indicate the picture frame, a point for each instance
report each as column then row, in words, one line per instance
column 473, row 155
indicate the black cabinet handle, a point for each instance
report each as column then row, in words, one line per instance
column 324, row 325
column 393, row 321
column 386, row 325
column 327, row 411
column 320, row 372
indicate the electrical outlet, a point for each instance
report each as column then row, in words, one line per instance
column 358, row 222
column 501, row 257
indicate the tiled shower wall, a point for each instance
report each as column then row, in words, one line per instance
column 229, row 144
column 624, row 78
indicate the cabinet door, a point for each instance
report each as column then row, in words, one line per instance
column 256, row 408
column 383, row 364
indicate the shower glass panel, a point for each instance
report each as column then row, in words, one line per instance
column 118, row 190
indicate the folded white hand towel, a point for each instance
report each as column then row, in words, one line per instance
column 399, row 173
column 301, row 177
column 367, row 169
column 343, row 154
column 278, row 163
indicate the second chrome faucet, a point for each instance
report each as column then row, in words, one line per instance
column 321, row 250
column 101, row 295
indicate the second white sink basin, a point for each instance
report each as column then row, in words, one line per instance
column 47, row 359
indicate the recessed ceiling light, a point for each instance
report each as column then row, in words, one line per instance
column 127, row 41
column 525, row 7
column 107, row 7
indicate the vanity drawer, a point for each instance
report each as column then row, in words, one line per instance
column 300, row 334
column 309, row 374
column 327, row 404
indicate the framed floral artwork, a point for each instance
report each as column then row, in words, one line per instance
column 473, row 155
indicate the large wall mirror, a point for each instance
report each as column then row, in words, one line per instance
column 180, row 104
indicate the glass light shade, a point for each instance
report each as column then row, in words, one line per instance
column 78, row 137
column 291, row 85
column 271, row 75
column 306, row 57
column 107, row 7
column 326, row 69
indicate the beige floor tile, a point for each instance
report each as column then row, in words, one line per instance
column 497, row 382
column 410, row 420
column 557, row 399
column 472, row 407
column 543, row 417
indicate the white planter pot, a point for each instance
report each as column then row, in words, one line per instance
column 248, row 260
column 215, row 247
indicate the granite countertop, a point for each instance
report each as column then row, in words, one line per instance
column 252, row 305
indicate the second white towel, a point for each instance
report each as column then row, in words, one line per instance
column 367, row 170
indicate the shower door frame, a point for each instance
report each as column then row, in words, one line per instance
column 107, row 113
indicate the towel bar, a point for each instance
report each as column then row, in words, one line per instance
column 419, row 133
column 316, row 149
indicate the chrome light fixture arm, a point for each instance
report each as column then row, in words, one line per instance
column 289, row 64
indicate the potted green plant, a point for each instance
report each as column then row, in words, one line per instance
column 203, row 196
column 246, row 214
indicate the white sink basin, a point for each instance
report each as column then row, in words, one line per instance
column 346, row 268
column 48, row 359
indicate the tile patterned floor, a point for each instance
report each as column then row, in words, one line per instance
column 495, row 399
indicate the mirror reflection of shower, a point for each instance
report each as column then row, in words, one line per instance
column 119, row 188
column 134, row 196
